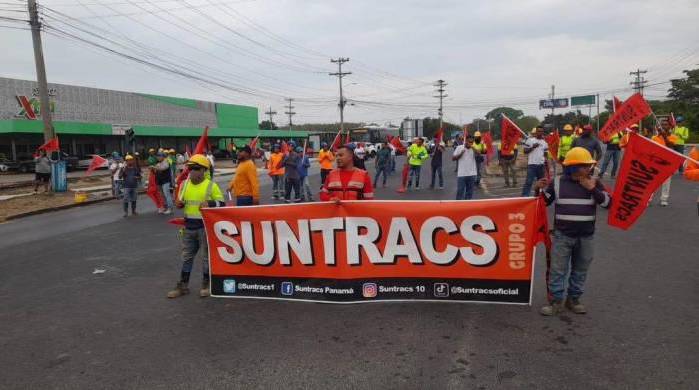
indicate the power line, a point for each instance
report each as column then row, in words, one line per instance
column 440, row 84
column 290, row 111
column 340, row 74
column 271, row 117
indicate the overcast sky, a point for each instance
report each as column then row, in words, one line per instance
column 256, row 52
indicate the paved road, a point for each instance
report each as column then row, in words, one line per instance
column 61, row 326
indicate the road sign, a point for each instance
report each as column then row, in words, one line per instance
column 587, row 100
column 553, row 103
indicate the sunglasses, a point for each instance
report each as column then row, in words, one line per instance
column 196, row 168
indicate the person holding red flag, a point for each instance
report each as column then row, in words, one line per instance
column 325, row 159
column 665, row 138
column 42, row 171
column 576, row 195
column 346, row 182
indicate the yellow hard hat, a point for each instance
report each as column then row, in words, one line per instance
column 568, row 127
column 172, row 151
column 128, row 157
column 199, row 159
column 578, row 156
column 477, row 134
column 151, row 150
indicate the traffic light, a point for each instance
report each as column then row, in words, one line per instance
column 130, row 136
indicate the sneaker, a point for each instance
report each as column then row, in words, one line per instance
column 287, row 200
column 574, row 305
column 275, row 197
column 663, row 203
column 552, row 309
column 441, row 187
column 167, row 212
column 160, row 211
column 179, row 290
column 204, row 292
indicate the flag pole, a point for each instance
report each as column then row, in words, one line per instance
column 661, row 145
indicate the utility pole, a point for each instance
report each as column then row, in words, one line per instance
column 440, row 84
column 40, row 70
column 340, row 74
column 271, row 115
column 290, row 112
column 638, row 85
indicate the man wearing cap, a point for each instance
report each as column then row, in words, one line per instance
column 576, row 195
column 480, row 149
column 536, row 150
column 566, row 142
column 507, row 160
column 152, row 158
column 245, row 186
column 613, row 153
column 290, row 163
column 197, row 192
column 436, row 165
column 163, row 178
column 682, row 134
column 130, row 176
column 276, row 171
column 417, row 154
column 588, row 141
column 325, row 159
column 669, row 140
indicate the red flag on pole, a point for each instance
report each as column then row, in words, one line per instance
column 465, row 131
column 348, row 138
column 510, row 133
column 438, row 136
column 199, row 149
column 672, row 121
column 553, row 140
column 489, row 149
column 645, row 167
column 284, row 148
column 51, row 146
column 395, row 141
column 253, row 144
column 97, row 161
column 203, row 142
column 616, row 103
column 337, row 141
column 153, row 192
column 631, row 111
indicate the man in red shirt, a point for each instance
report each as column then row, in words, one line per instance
column 346, row 182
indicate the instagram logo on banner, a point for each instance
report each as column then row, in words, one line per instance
column 369, row 290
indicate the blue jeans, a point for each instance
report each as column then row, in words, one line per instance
column 305, row 186
column 464, row 187
column 612, row 155
column 437, row 171
column 278, row 186
column 192, row 241
column 569, row 254
column 130, row 196
column 385, row 170
column 243, row 200
column 167, row 195
column 117, row 190
column 479, row 167
column 414, row 172
column 534, row 173
column 393, row 164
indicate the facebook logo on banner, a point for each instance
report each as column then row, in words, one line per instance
column 229, row 286
column 287, row 288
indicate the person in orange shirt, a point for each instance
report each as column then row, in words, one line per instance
column 245, row 186
column 276, row 171
column 347, row 182
column 325, row 159
column 665, row 138
column 625, row 139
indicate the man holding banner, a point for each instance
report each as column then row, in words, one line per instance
column 576, row 195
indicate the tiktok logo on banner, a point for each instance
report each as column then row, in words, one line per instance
column 441, row 290
column 287, row 288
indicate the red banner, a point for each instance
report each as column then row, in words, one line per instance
column 489, row 149
column 646, row 165
column 510, row 134
column 631, row 111
column 337, row 142
column 364, row 251
column 616, row 103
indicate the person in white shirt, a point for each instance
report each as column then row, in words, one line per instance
column 212, row 160
column 536, row 150
column 115, row 169
column 466, row 172
column 360, row 154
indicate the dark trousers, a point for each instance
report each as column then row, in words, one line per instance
column 243, row 200
column 414, row 172
column 437, row 170
column 382, row 170
column 323, row 175
column 534, row 173
column 613, row 156
column 464, row 187
column 292, row 183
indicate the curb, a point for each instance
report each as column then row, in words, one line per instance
column 44, row 211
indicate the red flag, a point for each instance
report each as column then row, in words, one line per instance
column 253, row 144
column 489, row 149
column 672, row 121
column 395, row 141
column 616, row 103
column 438, row 136
column 348, row 139
column 337, row 141
column 542, row 223
column 203, row 142
column 51, row 146
column 97, row 161
column 284, row 148
column 465, row 132
column 510, row 134
column 631, row 111
column 153, row 192
column 553, row 140
column 645, row 167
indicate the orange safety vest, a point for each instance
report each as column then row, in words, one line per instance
column 326, row 158
column 354, row 189
column 691, row 171
column 660, row 140
column 274, row 164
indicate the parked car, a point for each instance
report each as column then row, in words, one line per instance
column 25, row 163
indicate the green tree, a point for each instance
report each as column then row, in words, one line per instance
column 686, row 90
column 264, row 125
column 511, row 113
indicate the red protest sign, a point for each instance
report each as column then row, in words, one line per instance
column 631, row 111
column 645, row 167
column 510, row 134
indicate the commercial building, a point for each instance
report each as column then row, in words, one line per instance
column 94, row 121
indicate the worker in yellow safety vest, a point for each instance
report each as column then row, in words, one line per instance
column 612, row 153
column 480, row 149
column 566, row 143
column 682, row 134
column 197, row 192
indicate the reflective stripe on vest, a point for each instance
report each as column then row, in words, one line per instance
column 192, row 200
column 571, row 201
column 575, row 218
column 355, row 186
